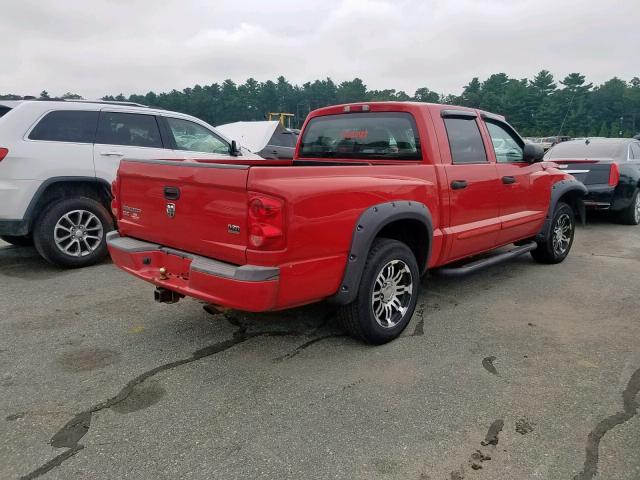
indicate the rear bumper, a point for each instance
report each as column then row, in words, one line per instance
column 599, row 196
column 248, row 287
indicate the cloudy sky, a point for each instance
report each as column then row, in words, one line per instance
column 98, row 47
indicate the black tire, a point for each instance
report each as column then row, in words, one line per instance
column 546, row 252
column 631, row 214
column 45, row 243
column 18, row 240
column 358, row 317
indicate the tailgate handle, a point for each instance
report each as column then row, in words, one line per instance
column 171, row 193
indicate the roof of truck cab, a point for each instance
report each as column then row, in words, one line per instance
column 391, row 106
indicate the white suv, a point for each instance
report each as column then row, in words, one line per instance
column 58, row 159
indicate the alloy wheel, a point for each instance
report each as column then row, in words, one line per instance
column 78, row 233
column 392, row 293
column 562, row 234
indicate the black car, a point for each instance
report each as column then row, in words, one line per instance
column 609, row 168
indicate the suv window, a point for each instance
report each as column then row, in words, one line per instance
column 195, row 138
column 283, row 139
column 130, row 129
column 465, row 140
column 375, row 136
column 507, row 146
column 66, row 126
column 635, row 151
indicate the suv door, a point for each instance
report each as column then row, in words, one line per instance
column 129, row 135
column 194, row 141
column 472, row 181
column 523, row 198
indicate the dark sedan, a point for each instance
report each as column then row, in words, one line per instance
column 609, row 168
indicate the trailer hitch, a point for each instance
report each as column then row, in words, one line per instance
column 164, row 295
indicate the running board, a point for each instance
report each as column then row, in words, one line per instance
column 487, row 262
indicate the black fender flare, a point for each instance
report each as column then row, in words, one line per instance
column 558, row 190
column 369, row 224
column 32, row 212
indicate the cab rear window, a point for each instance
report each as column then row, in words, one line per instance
column 372, row 135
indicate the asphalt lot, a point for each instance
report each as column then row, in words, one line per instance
column 540, row 363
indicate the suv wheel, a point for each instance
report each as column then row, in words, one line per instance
column 387, row 294
column 72, row 233
column 631, row 214
column 556, row 246
column 19, row 241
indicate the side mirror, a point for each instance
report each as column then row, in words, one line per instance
column 532, row 153
column 234, row 150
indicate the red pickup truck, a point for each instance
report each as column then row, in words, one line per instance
column 376, row 194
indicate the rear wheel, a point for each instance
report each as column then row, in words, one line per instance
column 19, row 241
column 387, row 294
column 72, row 233
column 631, row 214
column 556, row 247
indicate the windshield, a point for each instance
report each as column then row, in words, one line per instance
column 583, row 149
column 375, row 136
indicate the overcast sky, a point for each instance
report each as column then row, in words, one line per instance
column 98, row 47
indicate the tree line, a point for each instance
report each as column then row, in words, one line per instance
column 540, row 106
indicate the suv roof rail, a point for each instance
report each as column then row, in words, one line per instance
column 78, row 100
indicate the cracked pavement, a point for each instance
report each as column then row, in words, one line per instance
column 522, row 371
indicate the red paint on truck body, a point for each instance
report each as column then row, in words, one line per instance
column 322, row 200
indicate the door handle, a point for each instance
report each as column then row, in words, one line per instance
column 112, row 154
column 458, row 184
column 508, row 180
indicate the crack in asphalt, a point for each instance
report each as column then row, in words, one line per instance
column 630, row 407
column 306, row 345
column 73, row 431
column 54, row 462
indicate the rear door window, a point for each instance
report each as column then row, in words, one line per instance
column 195, row 138
column 129, row 129
column 66, row 126
column 465, row 140
column 3, row 110
column 375, row 136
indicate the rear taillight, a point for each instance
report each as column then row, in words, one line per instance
column 614, row 175
column 266, row 222
column 114, row 198
column 3, row 153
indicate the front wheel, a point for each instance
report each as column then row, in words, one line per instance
column 72, row 232
column 387, row 294
column 556, row 247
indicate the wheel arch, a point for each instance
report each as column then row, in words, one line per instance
column 407, row 221
column 59, row 188
column 571, row 192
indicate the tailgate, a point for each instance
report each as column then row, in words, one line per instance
column 589, row 172
column 191, row 206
